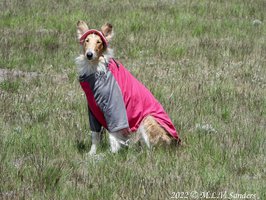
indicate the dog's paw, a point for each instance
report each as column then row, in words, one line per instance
column 93, row 150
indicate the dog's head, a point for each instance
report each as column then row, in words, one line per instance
column 94, row 42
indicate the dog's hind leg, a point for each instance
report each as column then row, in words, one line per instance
column 152, row 133
column 95, row 139
column 143, row 135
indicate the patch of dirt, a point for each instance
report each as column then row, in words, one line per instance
column 6, row 74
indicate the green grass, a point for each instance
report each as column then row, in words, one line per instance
column 205, row 61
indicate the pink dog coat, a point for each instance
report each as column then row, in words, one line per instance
column 117, row 100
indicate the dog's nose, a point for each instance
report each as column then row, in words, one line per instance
column 89, row 55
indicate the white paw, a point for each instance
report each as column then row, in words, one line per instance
column 93, row 150
column 115, row 146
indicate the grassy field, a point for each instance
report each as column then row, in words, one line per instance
column 204, row 60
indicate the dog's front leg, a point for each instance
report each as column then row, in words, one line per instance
column 95, row 139
column 114, row 143
column 118, row 138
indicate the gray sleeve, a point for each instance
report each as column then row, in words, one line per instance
column 110, row 100
column 115, row 112
column 94, row 124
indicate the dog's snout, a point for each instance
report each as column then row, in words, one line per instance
column 89, row 55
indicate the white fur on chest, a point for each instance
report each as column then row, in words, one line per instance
column 85, row 67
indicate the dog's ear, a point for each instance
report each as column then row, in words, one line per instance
column 82, row 27
column 107, row 30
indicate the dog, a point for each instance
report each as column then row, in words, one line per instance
column 117, row 101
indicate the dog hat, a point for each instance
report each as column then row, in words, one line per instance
column 91, row 31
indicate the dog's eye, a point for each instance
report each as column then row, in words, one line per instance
column 98, row 42
column 87, row 40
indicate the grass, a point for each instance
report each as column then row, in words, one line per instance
column 203, row 60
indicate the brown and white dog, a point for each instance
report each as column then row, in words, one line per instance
column 151, row 127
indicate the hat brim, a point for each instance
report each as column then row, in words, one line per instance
column 93, row 31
